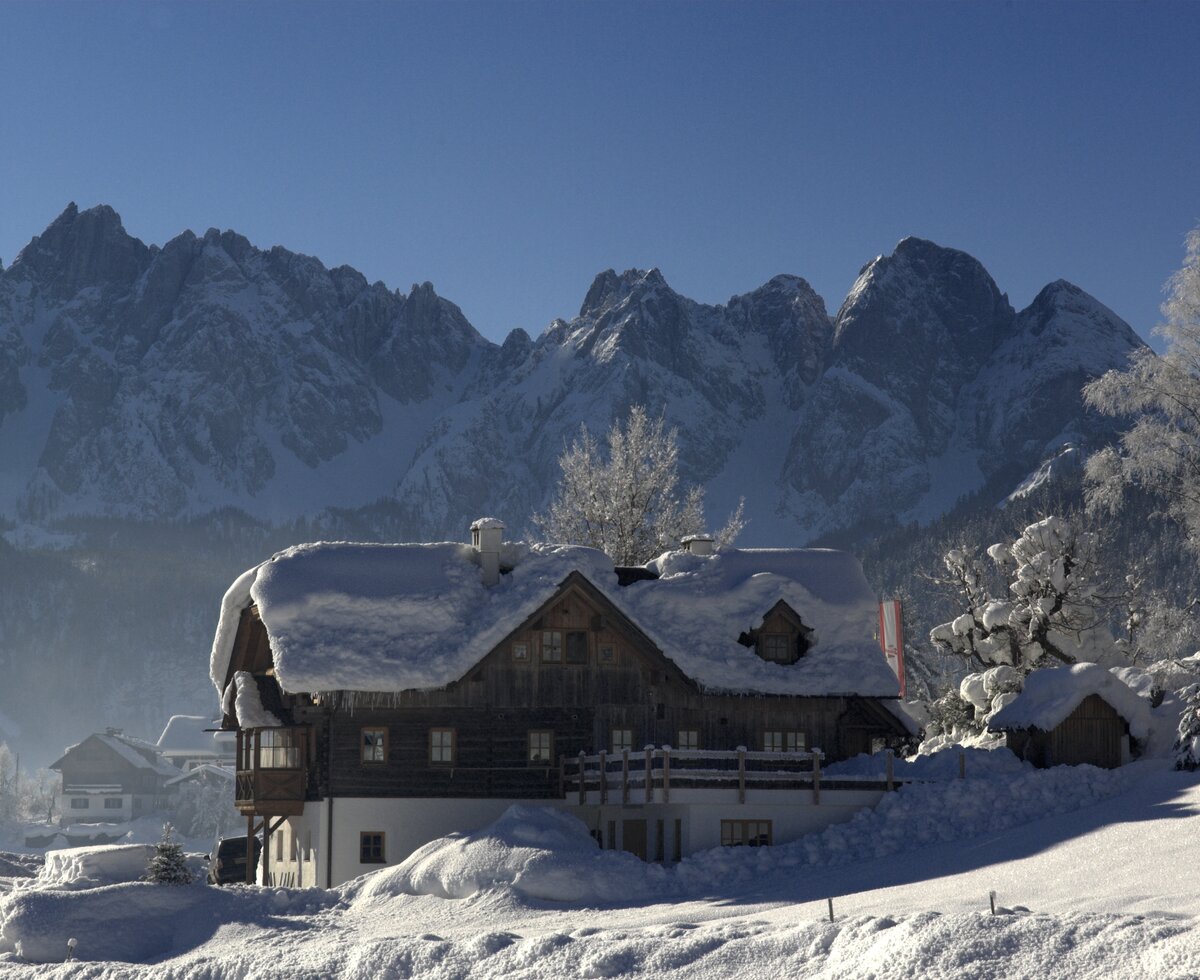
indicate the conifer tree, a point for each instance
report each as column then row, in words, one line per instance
column 168, row 866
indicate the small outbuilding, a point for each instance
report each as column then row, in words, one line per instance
column 1078, row 715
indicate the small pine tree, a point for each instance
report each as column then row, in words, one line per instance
column 168, row 866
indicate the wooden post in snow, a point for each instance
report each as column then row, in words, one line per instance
column 666, row 774
column 624, row 775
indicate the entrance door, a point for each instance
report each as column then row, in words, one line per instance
column 633, row 836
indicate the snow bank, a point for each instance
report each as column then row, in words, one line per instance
column 940, row 765
column 137, row 922
column 88, row 867
column 537, row 852
column 371, row 617
column 1051, row 694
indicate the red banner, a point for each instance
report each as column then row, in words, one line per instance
column 891, row 638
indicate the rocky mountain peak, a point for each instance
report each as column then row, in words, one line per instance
column 83, row 248
column 609, row 289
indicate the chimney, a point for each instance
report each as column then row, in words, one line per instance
column 698, row 544
column 487, row 535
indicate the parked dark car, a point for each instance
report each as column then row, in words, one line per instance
column 227, row 863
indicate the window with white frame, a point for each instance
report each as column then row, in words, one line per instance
column 783, row 741
column 541, row 748
column 552, row 646
column 374, row 745
column 113, row 803
column 689, row 739
column 622, row 740
column 441, row 745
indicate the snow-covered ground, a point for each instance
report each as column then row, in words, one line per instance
column 1093, row 873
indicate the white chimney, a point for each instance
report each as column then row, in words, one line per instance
column 487, row 535
column 698, row 544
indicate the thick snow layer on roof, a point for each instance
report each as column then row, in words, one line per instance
column 192, row 735
column 248, row 704
column 371, row 617
column 1051, row 694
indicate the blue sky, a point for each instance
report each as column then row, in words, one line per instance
column 508, row 152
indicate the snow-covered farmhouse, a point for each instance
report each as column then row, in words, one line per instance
column 385, row 695
column 112, row 777
column 1083, row 714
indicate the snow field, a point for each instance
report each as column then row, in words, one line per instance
column 1103, row 860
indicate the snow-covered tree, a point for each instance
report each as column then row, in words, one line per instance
column 168, row 866
column 205, row 809
column 626, row 501
column 1160, row 453
column 1187, row 744
column 1053, row 611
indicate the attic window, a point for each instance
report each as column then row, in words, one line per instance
column 776, row 647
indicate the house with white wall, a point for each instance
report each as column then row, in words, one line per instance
column 385, row 695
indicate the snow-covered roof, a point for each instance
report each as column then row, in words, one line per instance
column 1051, row 694
column 187, row 735
column 200, row 771
column 373, row 617
column 132, row 750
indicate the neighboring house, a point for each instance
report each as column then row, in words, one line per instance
column 190, row 740
column 385, row 695
column 112, row 777
column 1075, row 715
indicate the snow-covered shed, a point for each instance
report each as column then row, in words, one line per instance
column 427, row 685
column 1082, row 714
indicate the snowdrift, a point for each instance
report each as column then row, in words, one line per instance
column 537, row 852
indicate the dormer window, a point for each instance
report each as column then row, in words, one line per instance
column 776, row 647
column 781, row 637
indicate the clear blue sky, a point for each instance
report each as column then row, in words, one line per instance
column 509, row 151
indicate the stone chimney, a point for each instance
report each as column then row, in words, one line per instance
column 698, row 544
column 487, row 535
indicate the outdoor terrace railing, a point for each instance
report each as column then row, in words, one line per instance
column 272, row 770
column 649, row 775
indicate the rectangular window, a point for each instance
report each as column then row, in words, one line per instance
column 622, row 739
column 784, row 741
column 577, row 647
column 745, row 833
column 689, row 739
column 441, row 745
column 374, row 745
column 113, row 803
column 541, row 748
column 520, row 653
column 370, row 847
column 79, row 803
column 278, row 748
column 776, row 647
column 607, row 654
column 552, row 647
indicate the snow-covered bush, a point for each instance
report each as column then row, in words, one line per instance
column 168, row 866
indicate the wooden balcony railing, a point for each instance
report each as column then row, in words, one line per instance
column 272, row 771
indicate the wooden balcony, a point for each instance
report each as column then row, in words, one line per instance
column 272, row 771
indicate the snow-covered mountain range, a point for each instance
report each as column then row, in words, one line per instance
column 146, row 382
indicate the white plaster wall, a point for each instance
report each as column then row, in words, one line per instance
column 411, row 823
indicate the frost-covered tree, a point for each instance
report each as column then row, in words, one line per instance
column 626, row 500
column 1187, row 743
column 1052, row 612
column 168, row 866
column 1161, row 451
column 205, row 809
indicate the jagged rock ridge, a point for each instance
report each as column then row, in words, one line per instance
column 160, row 382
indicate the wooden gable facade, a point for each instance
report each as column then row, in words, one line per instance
column 1094, row 734
column 576, row 677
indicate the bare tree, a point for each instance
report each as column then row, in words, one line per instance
column 626, row 501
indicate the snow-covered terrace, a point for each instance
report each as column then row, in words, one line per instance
column 381, row 618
